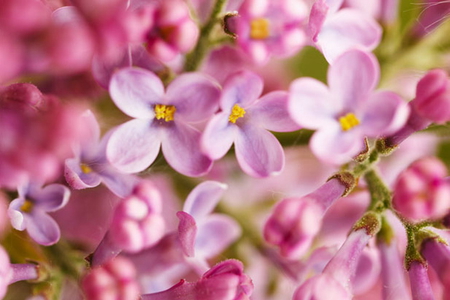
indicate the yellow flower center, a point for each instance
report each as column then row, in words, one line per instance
column 348, row 121
column 165, row 112
column 27, row 206
column 85, row 168
column 236, row 113
column 259, row 29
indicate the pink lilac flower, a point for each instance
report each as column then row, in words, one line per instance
column 114, row 280
column 335, row 31
column 173, row 31
column 162, row 119
column 384, row 10
column 437, row 255
column 433, row 89
column 90, row 167
column 6, row 272
column 224, row 281
column 244, row 120
column 422, row 192
column 336, row 277
column 433, row 13
column 294, row 223
column 136, row 224
column 270, row 28
column 37, row 131
column 30, row 211
column 347, row 111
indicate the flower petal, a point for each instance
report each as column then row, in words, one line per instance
column 120, row 184
column 215, row 234
column 334, row 146
column 218, row 136
column 310, row 103
column 258, row 152
column 187, row 231
column 203, row 198
column 195, row 96
column 352, row 78
column 181, row 148
column 76, row 178
column 271, row 112
column 52, row 197
column 42, row 228
column 15, row 214
column 133, row 146
column 385, row 113
column 345, row 30
column 242, row 88
column 135, row 90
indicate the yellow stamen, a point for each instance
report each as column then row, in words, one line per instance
column 236, row 113
column 85, row 168
column 259, row 29
column 27, row 206
column 165, row 112
column 348, row 121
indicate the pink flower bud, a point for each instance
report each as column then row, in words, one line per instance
column 295, row 221
column 421, row 192
column 433, row 96
column 420, row 283
column 437, row 255
column 224, row 281
column 6, row 272
column 114, row 280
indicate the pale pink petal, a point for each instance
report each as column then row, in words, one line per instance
column 42, row 228
column 52, row 197
column 271, row 111
column 243, row 88
column 203, row 198
column 333, row 146
column 348, row 29
column 218, row 136
column 135, row 90
column 311, row 105
column 195, row 96
column 385, row 113
column 187, row 231
column 352, row 77
column 215, row 234
column 317, row 17
column 76, row 178
column 258, row 152
column 181, row 148
column 133, row 146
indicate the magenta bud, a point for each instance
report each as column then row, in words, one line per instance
column 114, row 280
column 421, row 191
column 433, row 96
column 20, row 96
column 437, row 255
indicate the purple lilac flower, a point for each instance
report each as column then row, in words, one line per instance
column 437, row 255
column 335, row 31
column 136, row 224
column 30, row 211
column 224, row 281
column 270, row 28
column 244, row 120
column 162, row 119
column 420, row 282
column 348, row 110
column 90, row 167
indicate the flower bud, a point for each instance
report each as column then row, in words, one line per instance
column 433, row 96
column 421, row 192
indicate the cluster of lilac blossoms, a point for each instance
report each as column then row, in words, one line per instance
column 224, row 149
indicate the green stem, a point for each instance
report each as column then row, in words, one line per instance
column 194, row 58
column 379, row 193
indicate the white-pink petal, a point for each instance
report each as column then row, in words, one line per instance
column 242, row 88
column 203, row 198
column 218, row 136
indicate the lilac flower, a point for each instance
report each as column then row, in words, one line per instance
column 295, row 221
column 224, row 281
column 136, row 224
column 336, row 31
column 162, row 119
column 270, row 28
column 114, row 280
column 420, row 282
column 29, row 211
column 90, row 167
column 349, row 110
column 437, row 255
column 244, row 120
column 422, row 192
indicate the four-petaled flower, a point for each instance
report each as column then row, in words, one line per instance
column 161, row 119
